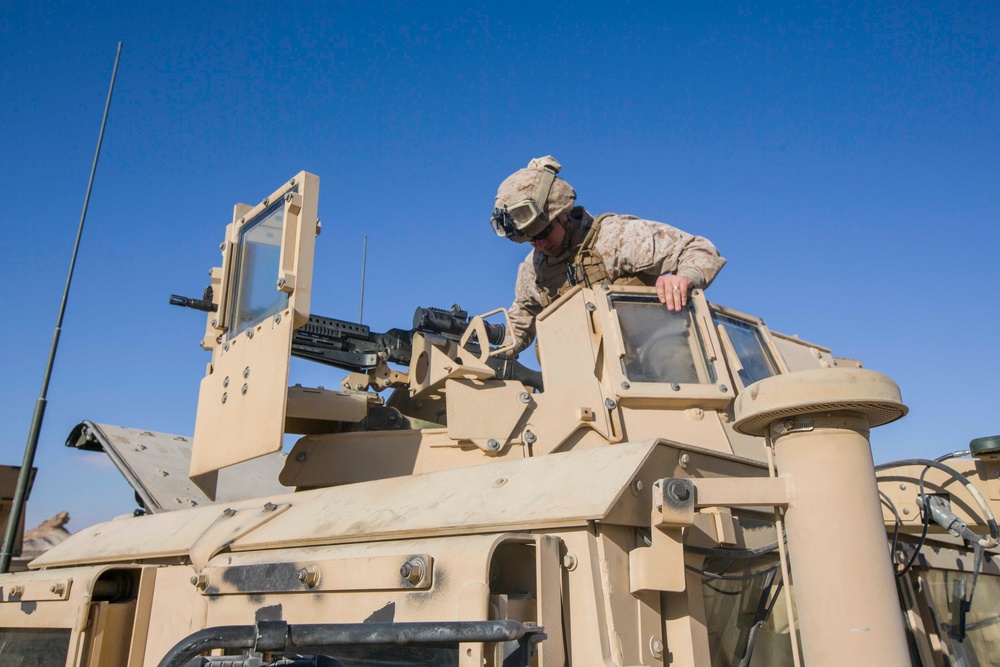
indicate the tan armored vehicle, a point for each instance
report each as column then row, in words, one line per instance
column 685, row 489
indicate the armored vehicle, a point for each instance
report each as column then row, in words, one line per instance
column 672, row 488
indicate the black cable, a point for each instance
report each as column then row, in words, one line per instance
column 953, row 455
column 732, row 577
column 732, row 553
column 895, row 531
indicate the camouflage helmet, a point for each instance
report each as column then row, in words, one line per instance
column 530, row 198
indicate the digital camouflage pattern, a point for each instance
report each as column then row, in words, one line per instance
column 629, row 246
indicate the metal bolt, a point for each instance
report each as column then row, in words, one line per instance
column 413, row 570
column 266, row 201
column 723, row 388
column 226, row 347
column 288, row 196
column 530, row 437
column 787, row 425
column 225, row 397
column 225, row 381
column 591, row 307
column 281, row 283
column 626, row 385
column 200, row 581
column 270, row 507
column 610, row 404
column 309, row 576
column 675, row 386
column 902, row 486
column 277, row 318
column 249, row 333
column 291, row 182
column 906, row 510
column 246, row 372
column 222, row 246
column 524, row 397
column 605, row 288
column 244, row 389
column 678, row 490
column 569, row 561
column 499, row 481
column 229, row 512
column 301, row 456
column 493, row 444
column 637, row 487
column 215, row 322
column 684, row 459
column 655, row 647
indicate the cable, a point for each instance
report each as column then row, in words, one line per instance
column 732, row 577
column 991, row 523
column 732, row 553
column 954, row 455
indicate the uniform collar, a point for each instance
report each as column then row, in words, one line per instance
column 579, row 224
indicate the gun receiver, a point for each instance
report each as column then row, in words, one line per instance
column 355, row 347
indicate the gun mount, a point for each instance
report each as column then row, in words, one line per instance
column 684, row 488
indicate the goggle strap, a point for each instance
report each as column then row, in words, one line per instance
column 544, row 187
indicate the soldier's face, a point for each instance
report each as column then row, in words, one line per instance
column 552, row 244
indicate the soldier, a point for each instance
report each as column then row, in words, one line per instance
column 572, row 247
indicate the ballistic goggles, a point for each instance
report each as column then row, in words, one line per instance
column 525, row 220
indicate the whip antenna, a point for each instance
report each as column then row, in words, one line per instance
column 20, row 494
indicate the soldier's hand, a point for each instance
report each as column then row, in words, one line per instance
column 673, row 291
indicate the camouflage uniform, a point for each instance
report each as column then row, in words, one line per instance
column 629, row 248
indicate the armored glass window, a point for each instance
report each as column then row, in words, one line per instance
column 255, row 293
column 750, row 348
column 34, row 647
column 660, row 345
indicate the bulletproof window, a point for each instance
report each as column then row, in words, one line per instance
column 661, row 345
column 33, row 647
column 751, row 350
column 255, row 293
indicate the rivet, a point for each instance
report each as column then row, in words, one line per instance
column 591, row 307
column 244, row 389
column 637, row 487
column 493, row 444
column 626, row 385
column 499, row 481
column 277, row 318
column 675, row 386
column 250, row 333
column 288, row 196
column 226, row 347
column 605, row 288
column 301, row 457
column 215, row 323
column 530, row 437
column 524, row 397
column 906, row 510
column 902, row 486
column 225, row 381
column 246, row 372
column 684, row 459
column 222, row 246
column 225, row 397
column 723, row 388
column 281, row 283
column 610, row 404
column 229, row 512
column 655, row 647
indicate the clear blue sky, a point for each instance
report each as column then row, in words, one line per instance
column 844, row 157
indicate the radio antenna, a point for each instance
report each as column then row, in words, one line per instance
column 20, row 494
column 364, row 256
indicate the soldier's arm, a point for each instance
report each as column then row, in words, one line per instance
column 524, row 309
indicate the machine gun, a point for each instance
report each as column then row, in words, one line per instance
column 356, row 348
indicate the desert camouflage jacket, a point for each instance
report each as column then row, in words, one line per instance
column 628, row 246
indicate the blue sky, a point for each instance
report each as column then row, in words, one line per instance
column 844, row 157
